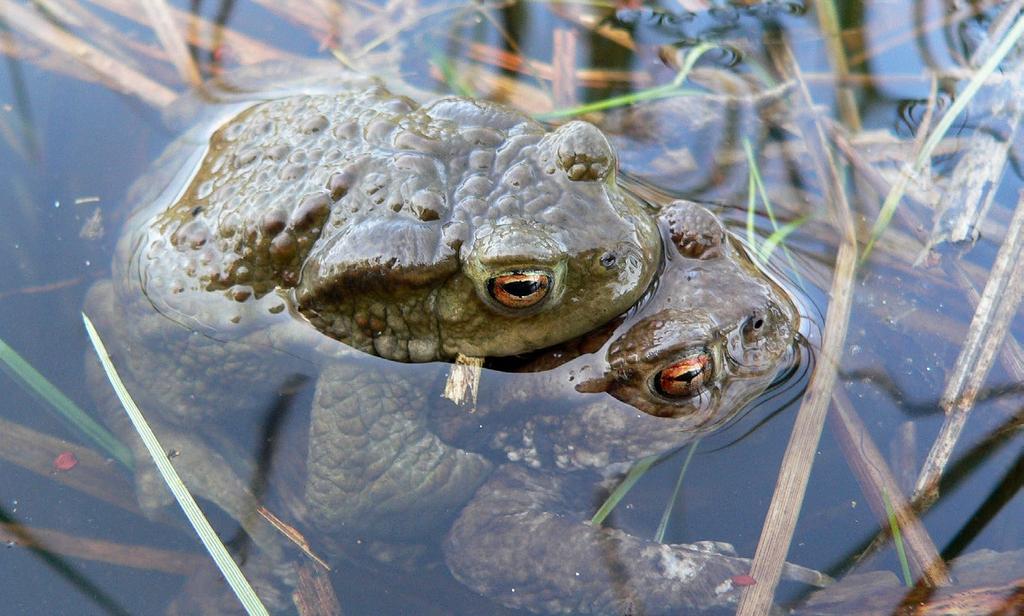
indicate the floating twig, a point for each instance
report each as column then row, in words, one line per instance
column 992, row 318
column 137, row 556
column 162, row 23
column 464, row 381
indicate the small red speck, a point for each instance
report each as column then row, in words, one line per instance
column 221, row 53
column 743, row 580
column 65, row 461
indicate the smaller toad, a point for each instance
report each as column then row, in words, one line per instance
column 713, row 337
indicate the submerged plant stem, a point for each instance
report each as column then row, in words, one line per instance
column 620, row 491
column 659, row 535
column 897, row 538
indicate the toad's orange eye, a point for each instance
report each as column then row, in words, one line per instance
column 519, row 289
column 684, row 379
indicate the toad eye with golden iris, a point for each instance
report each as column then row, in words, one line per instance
column 519, row 290
column 685, row 378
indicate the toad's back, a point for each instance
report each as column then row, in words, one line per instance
column 411, row 233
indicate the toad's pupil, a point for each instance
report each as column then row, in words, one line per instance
column 521, row 288
column 686, row 377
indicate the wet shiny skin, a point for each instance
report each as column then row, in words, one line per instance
column 316, row 225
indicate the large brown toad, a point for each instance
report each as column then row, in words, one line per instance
column 302, row 231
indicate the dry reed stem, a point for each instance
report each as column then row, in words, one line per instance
column 587, row 77
column 293, row 535
column 167, row 32
column 308, row 14
column 135, row 556
column 925, row 127
column 463, row 381
column 501, row 88
column 314, row 594
column 960, row 472
column 780, row 521
column 100, row 33
column 828, row 23
column 407, row 20
column 529, row 65
column 995, row 311
column 867, row 80
column 1012, row 353
column 868, row 171
column 247, row 49
column 594, row 24
column 969, row 194
column 877, row 483
column 114, row 74
column 996, row 31
column 563, row 54
column 94, row 474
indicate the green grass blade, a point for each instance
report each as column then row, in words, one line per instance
column 659, row 535
column 663, row 91
column 211, row 542
column 751, row 196
column 897, row 537
column 623, row 488
column 778, row 236
column 896, row 192
column 33, row 381
column 451, row 77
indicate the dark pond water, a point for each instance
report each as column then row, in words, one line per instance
column 70, row 146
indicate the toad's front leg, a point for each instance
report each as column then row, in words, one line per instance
column 374, row 466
